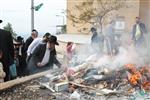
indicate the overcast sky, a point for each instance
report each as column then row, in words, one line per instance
column 18, row 13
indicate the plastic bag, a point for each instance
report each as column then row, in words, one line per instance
column 13, row 71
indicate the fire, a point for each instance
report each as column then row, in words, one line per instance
column 138, row 77
column 131, row 68
column 135, row 78
column 135, row 75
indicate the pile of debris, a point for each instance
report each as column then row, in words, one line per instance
column 88, row 83
column 92, row 81
column 127, row 81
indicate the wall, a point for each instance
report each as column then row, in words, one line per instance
column 145, row 13
column 129, row 13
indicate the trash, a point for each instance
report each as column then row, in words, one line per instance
column 33, row 87
column 139, row 95
column 63, row 86
column 47, row 86
column 75, row 96
column 89, row 72
column 107, row 91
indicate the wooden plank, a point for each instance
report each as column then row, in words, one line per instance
column 14, row 82
column 83, row 86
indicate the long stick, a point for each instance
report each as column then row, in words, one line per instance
column 14, row 82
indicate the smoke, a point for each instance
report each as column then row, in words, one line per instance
column 128, row 53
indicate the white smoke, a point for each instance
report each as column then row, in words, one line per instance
column 127, row 54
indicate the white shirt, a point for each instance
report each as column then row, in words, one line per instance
column 33, row 45
column 46, row 57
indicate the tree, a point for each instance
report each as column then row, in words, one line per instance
column 94, row 11
column 9, row 28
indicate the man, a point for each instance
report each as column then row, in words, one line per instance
column 97, row 40
column 44, row 56
column 34, row 35
column 110, row 38
column 138, row 32
column 20, row 56
column 35, row 43
column 7, row 51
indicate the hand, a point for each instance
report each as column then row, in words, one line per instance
column 70, row 72
column 39, row 64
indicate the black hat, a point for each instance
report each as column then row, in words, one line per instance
column 47, row 35
column 93, row 29
column 19, row 40
column 53, row 39
column 1, row 21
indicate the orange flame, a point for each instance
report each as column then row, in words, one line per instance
column 138, row 75
column 135, row 74
column 134, row 78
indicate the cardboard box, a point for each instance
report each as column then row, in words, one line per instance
column 62, row 86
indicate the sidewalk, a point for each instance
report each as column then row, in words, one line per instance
column 77, row 39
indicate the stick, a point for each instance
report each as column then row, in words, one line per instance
column 83, row 86
column 48, row 87
column 14, row 82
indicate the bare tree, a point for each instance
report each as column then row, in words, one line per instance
column 94, row 11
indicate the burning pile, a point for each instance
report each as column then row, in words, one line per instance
column 139, row 77
column 103, row 80
column 105, row 75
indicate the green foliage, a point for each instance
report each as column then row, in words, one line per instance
column 9, row 28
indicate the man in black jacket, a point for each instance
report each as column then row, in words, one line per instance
column 97, row 41
column 44, row 56
column 34, row 35
column 7, row 51
column 138, row 32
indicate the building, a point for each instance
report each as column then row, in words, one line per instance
column 136, row 8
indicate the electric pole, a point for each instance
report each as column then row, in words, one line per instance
column 32, row 15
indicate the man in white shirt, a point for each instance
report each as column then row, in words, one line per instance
column 35, row 43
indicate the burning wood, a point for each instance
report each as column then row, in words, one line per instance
column 139, row 77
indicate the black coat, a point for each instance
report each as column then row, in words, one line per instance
column 38, row 55
column 142, row 29
column 7, row 48
column 28, row 42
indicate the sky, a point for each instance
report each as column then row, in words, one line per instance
column 18, row 13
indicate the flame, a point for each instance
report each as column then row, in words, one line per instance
column 131, row 67
column 137, row 76
column 134, row 78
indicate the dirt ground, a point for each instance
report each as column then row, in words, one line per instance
column 30, row 90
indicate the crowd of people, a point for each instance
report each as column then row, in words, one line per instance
column 112, row 40
column 20, row 58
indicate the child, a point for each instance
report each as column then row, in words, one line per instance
column 2, row 73
column 70, row 51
